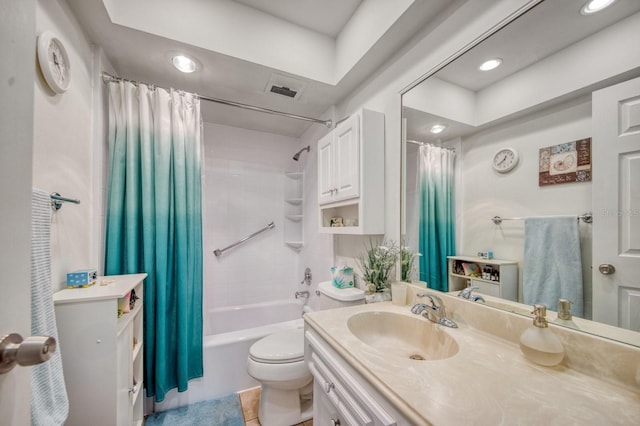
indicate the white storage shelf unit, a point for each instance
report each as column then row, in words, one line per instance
column 351, row 175
column 294, row 209
column 102, row 354
column 505, row 287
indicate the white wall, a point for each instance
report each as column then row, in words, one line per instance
column 487, row 193
column 244, row 189
column 17, row 42
column 63, row 146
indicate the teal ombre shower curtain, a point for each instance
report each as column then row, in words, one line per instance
column 154, row 223
column 437, row 214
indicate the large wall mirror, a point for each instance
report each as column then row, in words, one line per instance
column 536, row 161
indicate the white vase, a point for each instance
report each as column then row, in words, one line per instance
column 380, row 296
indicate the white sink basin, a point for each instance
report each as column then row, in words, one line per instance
column 402, row 336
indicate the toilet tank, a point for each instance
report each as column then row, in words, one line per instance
column 333, row 297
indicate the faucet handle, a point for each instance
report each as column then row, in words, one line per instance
column 436, row 301
column 466, row 293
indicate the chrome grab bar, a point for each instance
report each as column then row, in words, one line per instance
column 218, row 252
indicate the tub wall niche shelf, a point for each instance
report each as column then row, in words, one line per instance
column 294, row 209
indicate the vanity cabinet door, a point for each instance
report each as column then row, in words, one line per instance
column 337, row 395
column 324, row 412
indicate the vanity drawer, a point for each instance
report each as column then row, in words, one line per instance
column 352, row 402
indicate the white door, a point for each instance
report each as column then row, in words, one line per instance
column 347, row 160
column 326, row 186
column 17, row 41
column 616, row 205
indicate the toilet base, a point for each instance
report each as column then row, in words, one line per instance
column 283, row 407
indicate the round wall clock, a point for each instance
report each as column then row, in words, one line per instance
column 54, row 62
column 505, row 160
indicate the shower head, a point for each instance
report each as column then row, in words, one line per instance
column 296, row 156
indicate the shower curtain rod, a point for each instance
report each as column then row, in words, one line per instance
column 431, row 144
column 106, row 77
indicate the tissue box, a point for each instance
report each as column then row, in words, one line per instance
column 342, row 276
column 82, row 278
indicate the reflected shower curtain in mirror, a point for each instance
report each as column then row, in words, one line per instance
column 154, row 223
column 437, row 215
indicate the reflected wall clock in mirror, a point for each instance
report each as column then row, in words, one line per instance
column 54, row 62
column 505, row 160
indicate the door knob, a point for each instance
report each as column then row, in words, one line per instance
column 30, row 351
column 606, row 269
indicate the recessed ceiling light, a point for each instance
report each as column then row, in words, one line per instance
column 184, row 63
column 437, row 128
column 490, row 64
column 594, row 6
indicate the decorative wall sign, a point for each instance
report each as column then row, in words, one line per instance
column 567, row 162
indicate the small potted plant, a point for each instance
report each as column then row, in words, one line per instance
column 407, row 263
column 376, row 265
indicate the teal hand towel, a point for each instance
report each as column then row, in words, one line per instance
column 552, row 262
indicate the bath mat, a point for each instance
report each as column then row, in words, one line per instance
column 224, row 411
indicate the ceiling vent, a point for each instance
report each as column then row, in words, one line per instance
column 285, row 86
column 284, row 91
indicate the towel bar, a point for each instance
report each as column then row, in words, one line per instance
column 497, row 220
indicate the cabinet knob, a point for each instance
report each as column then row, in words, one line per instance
column 328, row 386
column 30, row 351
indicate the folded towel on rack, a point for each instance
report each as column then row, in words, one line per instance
column 552, row 262
column 49, row 400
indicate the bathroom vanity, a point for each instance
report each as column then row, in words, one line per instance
column 379, row 364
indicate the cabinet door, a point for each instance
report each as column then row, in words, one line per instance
column 124, row 376
column 347, row 159
column 326, row 186
column 488, row 288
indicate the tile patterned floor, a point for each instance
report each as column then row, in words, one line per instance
column 250, row 400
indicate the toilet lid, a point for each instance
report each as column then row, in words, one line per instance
column 281, row 347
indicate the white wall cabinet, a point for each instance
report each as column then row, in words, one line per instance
column 102, row 354
column 503, row 283
column 339, row 165
column 351, row 175
column 340, row 395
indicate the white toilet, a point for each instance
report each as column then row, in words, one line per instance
column 277, row 362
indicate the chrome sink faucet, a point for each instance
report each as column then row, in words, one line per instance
column 467, row 294
column 436, row 312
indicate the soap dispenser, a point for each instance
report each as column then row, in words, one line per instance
column 538, row 343
column 564, row 314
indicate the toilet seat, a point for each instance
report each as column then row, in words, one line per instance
column 283, row 347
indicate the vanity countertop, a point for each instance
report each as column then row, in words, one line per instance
column 488, row 381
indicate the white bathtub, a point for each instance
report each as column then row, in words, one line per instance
column 232, row 330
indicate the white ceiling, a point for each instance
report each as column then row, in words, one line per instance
column 326, row 17
column 547, row 29
column 241, row 44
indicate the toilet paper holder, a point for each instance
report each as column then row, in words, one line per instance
column 30, row 351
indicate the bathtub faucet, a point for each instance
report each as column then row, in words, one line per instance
column 302, row 294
